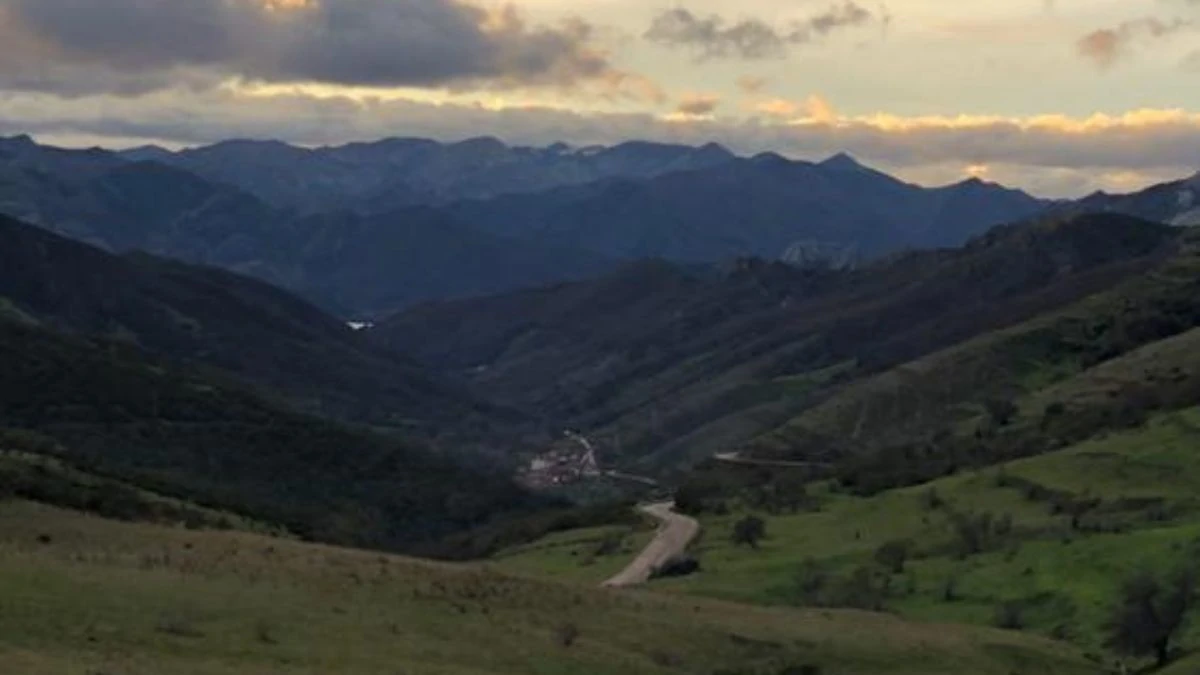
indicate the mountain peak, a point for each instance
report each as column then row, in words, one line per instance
column 145, row 153
column 842, row 161
column 770, row 159
column 482, row 143
column 713, row 148
column 22, row 141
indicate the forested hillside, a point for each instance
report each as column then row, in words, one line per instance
column 244, row 327
column 115, row 413
column 666, row 365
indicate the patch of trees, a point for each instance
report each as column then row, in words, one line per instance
column 47, row 482
column 864, row 587
column 715, row 486
column 514, row 530
column 1150, row 613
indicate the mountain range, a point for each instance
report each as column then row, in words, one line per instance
column 367, row 229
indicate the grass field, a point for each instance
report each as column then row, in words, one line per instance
column 1075, row 524
column 583, row 556
column 89, row 596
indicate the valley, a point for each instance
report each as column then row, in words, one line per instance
column 880, row 447
column 579, row 337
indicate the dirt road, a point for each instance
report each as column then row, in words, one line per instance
column 675, row 533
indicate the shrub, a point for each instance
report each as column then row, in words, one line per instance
column 566, row 634
column 893, row 555
column 680, row 566
column 1010, row 616
column 749, row 531
column 931, row 500
column 1150, row 613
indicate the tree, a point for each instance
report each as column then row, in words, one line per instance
column 749, row 531
column 1150, row 614
column 893, row 555
column 1000, row 411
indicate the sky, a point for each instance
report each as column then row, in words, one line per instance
column 1059, row 97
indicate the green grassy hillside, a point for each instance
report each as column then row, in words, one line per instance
column 84, row 595
column 1101, row 363
column 1041, row 544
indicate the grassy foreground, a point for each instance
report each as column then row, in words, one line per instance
column 83, row 595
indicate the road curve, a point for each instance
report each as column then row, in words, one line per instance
column 675, row 533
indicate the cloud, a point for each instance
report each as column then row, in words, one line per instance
column 698, row 104
column 1106, row 46
column 135, row 46
column 713, row 37
column 1143, row 142
column 815, row 108
column 750, row 84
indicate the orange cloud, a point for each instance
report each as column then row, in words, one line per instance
column 814, row 109
column 288, row 5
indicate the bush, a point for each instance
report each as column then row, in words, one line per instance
column 893, row 555
column 931, row 500
column 1010, row 616
column 566, row 634
column 749, row 531
column 680, row 566
column 1000, row 412
column 1150, row 614
column 610, row 544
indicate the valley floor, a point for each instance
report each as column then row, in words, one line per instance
column 85, row 595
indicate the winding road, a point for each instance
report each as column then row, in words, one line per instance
column 675, row 533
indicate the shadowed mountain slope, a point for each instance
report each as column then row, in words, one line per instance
column 664, row 362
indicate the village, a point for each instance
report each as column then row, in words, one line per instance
column 570, row 460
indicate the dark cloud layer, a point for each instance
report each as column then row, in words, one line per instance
column 714, row 37
column 132, row 46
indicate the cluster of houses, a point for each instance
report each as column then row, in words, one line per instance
column 569, row 461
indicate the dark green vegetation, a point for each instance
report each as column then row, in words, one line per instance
column 1103, row 363
column 663, row 366
column 178, row 432
column 84, row 595
column 208, row 317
